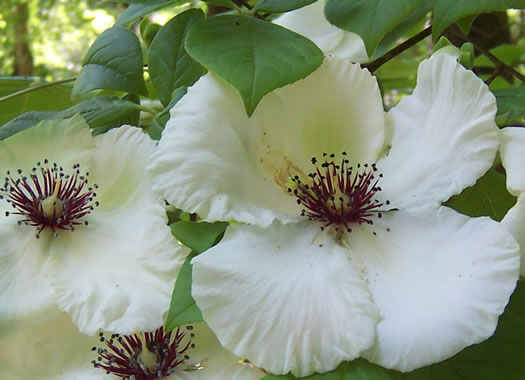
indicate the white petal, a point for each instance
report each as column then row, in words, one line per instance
column 52, row 351
column 440, row 280
column 514, row 221
column 311, row 22
column 444, row 136
column 218, row 163
column 65, row 142
column 25, row 296
column 286, row 297
column 512, row 157
column 218, row 362
column 117, row 273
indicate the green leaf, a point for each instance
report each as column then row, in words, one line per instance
column 198, row 236
column 279, row 6
column 114, row 62
column 448, row 11
column 508, row 99
column 488, row 197
column 140, row 9
column 170, row 66
column 371, row 19
column 183, row 309
column 416, row 20
column 101, row 113
column 52, row 98
column 255, row 56
column 223, row 3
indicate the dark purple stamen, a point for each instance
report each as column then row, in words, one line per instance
column 340, row 194
column 143, row 357
column 49, row 198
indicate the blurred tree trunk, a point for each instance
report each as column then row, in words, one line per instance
column 23, row 56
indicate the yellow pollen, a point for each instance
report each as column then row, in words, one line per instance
column 52, row 205
column 148, row 358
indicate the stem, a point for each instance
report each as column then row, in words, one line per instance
column 377, row 63
column 493, row 76
column 35, row 87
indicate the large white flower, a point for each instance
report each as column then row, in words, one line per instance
column 512, row 157
column 83, row 231
column 311, row 22
column 57, row 351
column 348, row 251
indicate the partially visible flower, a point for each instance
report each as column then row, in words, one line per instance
column 311, row 22
column 57, row 351
column 513, row 159
column 81, row 230
column 348, row 251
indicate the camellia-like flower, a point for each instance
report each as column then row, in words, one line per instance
column 346, row 250
column 82, row 231
column 512, row 153
column 311, row 22
column 57, row 351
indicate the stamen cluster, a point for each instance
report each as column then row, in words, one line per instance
column 49, row 198
column 338, row 194
column 143, row 357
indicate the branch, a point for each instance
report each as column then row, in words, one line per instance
column 35, row 87
column 377, row 63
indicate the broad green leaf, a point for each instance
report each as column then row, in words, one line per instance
column 198, row 236
column 101, row 113
column 371, row 19
column 140, row 9
column 488, row 197
column 415, row 21
column 509, row 54
column 52, row 98
column 114, row 62
column 499, row 357
column 183, row 309
column 170, row 67
column 279, row 6
column 255, row 56
column 223, row 3
column 508, row 99
column 448, row 11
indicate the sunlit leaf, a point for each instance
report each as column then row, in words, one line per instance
column 114, row 62
column 371, row 19
column 198, row 236
column 170, row 67
column 140, row 9
column 449, row 11
column 255, row 56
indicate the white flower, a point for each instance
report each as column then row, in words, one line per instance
column 512, row 154
column 57, row 351
column 311, row 22
column 413, row 283
column 86, row 236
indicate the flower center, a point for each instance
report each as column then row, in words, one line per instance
column 151, row 355
column 49, row 198
column 338, row 194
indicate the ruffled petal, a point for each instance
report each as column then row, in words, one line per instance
column 222, row 165
column 440, row 280
column 514, row 221
column 512, row 157
column 26, row 298
column 285, row 297
column 117, row 273
column 52, row 351
column 311, row 22
column 217, row 362
column 444, row 136
column 66, row 142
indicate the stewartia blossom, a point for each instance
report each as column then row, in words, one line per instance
column 512, row 153
column 81, row 230
column 57, row 351
column 347, row 250
column 311, row 22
